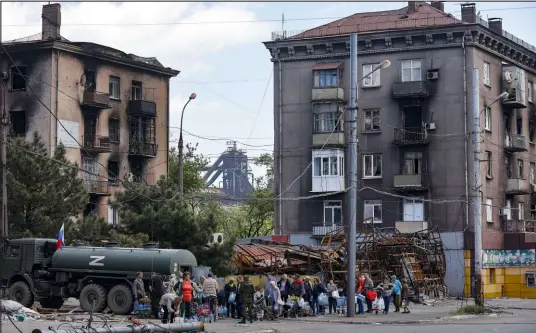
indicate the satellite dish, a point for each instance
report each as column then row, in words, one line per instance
column 83, row 80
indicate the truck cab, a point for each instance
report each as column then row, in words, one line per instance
column 20, row 259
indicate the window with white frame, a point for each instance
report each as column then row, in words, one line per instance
column 489, row 210
column 113, row 215
column 413, row 210
column 373, row 211
column 326, row 117
column 489, row 165
column 114, row 87
column 521, row 211
column 326, row 78
column 487, row 119
column 522, row 84
column 411, row 70
column 372, row 120
column 328, row 166
column 372, row 166
column 486, row 72
column 413, row 163
column 371, row 80
column 91, row 168
column 530, row 88
column 332, row 212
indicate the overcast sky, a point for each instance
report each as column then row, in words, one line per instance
column 228, row 61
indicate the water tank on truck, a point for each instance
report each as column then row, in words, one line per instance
column 105, row 274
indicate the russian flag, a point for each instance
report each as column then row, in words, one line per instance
column 61, row 240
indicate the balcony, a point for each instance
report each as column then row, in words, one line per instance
column 96, row 144
column 142, row 108
column 410, row 89
column 328, row 94
column 142, row 149
column 96, row 100
column 519, row 234
column 324, row 230
column 410, row 182
column 328, row 139
column 410, row 136
column 514, row 143
column 147, row 179
column 97, row 187
column 410, row 227
column 517, row 186
column 519, row 226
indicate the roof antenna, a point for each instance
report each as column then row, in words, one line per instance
column 283, row 22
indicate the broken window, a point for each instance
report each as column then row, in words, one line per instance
column 412, row 163
column 18, row 77
column 113, row 129
column 372, row 166
column 372, row 120
column 136, row 91
column 18, row 123
column 332, row 212
column 113, row 173
column 326, row 117
column 531, row 132
column 91, row 82
column 520, row 170
column 373, row 211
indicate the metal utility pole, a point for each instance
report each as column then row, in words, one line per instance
column 181, row 147
column 351, row 119
column 477, row 200
column 5, row 129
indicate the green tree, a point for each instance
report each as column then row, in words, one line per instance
column 266, row 161
column 193, row 163
column 43, row 193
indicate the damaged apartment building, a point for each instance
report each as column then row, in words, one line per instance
column 109, row 109
column 414, row 123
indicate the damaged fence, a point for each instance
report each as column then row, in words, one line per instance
column 381, row 252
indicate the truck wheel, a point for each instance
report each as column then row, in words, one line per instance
column 120, row 300
column 20, row 292
column 51, row 303
column 93, row 292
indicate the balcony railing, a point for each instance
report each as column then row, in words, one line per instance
column 410, row 89
column 142, row 108
column 97, row 187
column 146, row 179
column 519, row 226
column 514, row 143
column 328, row 94
column 517, row 186
column 409, row 227
column 324, row 230
column 95, row 99
column 96, row 143
column 410, row 181
column 410, row 136
column 147, row 149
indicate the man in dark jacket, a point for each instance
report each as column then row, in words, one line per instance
column 157, row 291
column 230, row 288
column 317, row 290
column 298, row 288
column 246, row 293
column 238, row 300
column 308, row 291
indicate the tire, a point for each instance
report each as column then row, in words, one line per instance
column 20, row 292
column 120, row 300
column 51, row 303
column 93, row 292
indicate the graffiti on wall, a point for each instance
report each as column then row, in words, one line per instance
column 508, row 258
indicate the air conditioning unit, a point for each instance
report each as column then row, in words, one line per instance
column 433, row 74
column 216, row 239
column 430, row 126
column 503, row 212
column 4, row 76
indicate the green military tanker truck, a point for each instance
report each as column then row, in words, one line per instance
column 31, row 269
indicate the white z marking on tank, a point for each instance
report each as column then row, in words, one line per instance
column 96, row 261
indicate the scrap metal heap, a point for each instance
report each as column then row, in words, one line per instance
column 382, row 252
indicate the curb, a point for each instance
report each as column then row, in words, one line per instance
column 394, row 322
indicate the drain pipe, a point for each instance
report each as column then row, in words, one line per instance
column 280, row 204
column 466, row 137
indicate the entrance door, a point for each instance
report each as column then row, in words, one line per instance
column 413, row 210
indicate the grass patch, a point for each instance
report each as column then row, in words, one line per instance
column 472, row 309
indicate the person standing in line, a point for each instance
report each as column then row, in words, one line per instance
column 157, row 291
column 187, row 292
column 210, row 289
column 332, row 302
column 170, row 285
column 229, row 289
column 247, row 292
column 238, row 299
column 369, row 285
column 308, row 297
column 386, row 293
column 284, row 287
column 139, row 287
column 405, row 295
column 268, row 290
column 317, row 290
column 397, row 291
column 171, row 303
column 276, row 296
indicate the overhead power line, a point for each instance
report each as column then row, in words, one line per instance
column 372, row 14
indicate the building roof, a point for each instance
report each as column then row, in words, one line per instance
column 149, row 63
column 424, row 16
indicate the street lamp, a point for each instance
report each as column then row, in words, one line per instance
column 352, row 173
column 181, row 146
